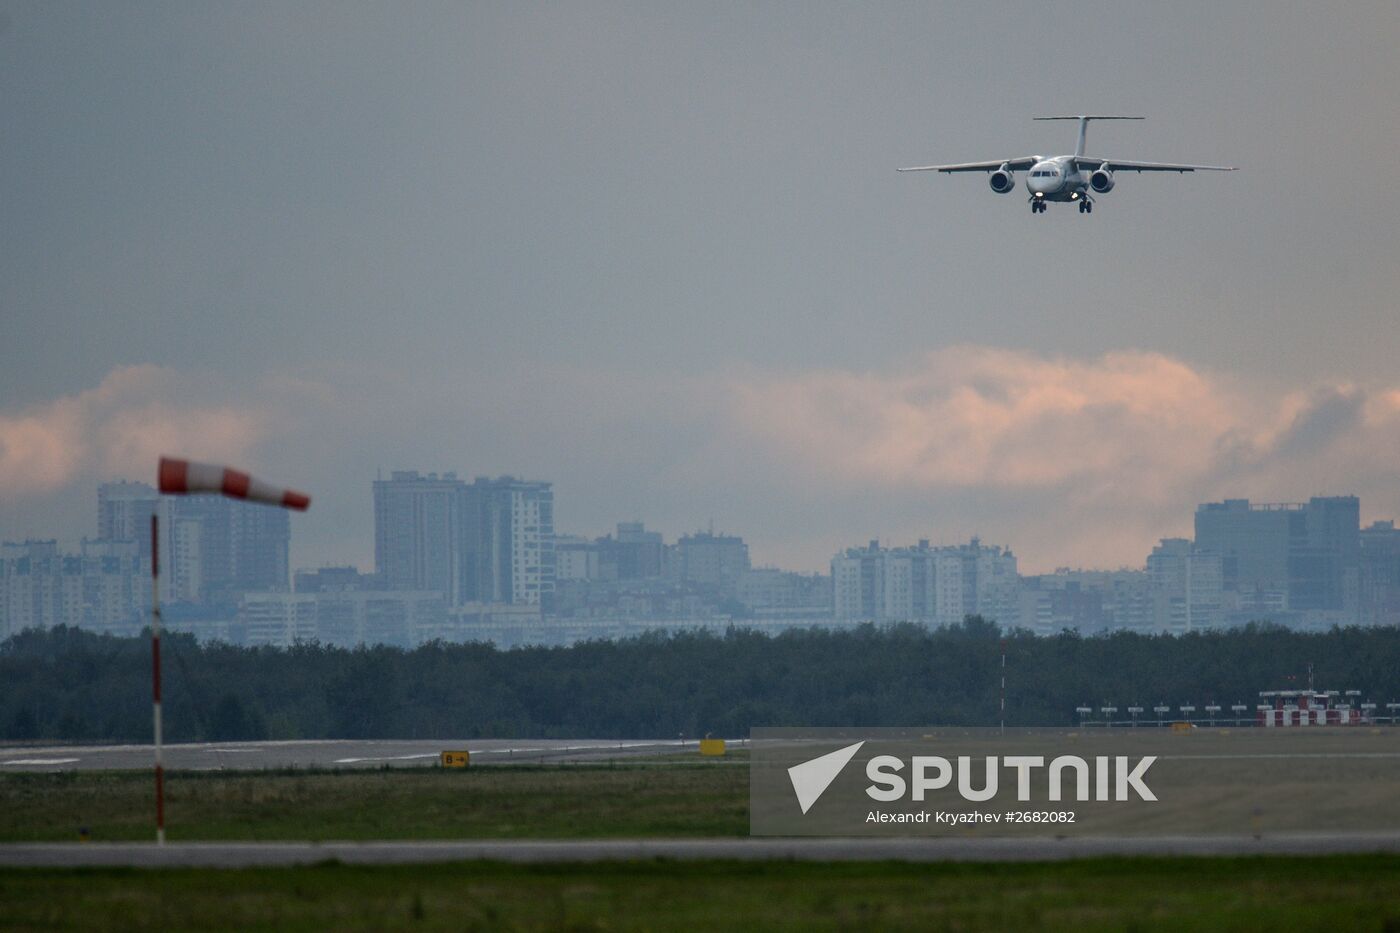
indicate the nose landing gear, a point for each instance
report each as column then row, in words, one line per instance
column 1086, row 206
column 1037, row 206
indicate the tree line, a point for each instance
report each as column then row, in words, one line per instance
column 72, row 685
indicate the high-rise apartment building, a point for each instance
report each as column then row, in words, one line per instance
column 490, row 541
column 1305, row 556
column 940, row 585
column 104, row 587
column 212, row 548
column 419, row 531
column 124, row 511
column 1380, row 574
column 1187, row 586
column 509, row 541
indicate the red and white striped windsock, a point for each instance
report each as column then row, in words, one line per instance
column 182, row 476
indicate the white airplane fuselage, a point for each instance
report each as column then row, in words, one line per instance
column 1056, row 179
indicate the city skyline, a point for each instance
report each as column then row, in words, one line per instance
column 134, row 489
column 482, row 561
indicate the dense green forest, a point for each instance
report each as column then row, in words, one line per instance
column 74, row 685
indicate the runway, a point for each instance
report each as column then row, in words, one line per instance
column 368, row 753
column 251, row 854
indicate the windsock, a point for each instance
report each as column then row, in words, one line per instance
column 182, row 476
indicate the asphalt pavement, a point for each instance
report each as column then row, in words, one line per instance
column 370, row 753
column 249, row 854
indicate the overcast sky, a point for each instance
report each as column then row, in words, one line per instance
column 659, row 255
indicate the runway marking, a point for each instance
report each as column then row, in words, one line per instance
column 572, row 748
column 351, row 761
column 40, row 761
column 1285, row 755
column 500, row 751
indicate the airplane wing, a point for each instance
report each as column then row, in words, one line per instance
column 1020, row 164
column 1118, row 165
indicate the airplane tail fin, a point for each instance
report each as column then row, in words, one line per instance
column 1084, row 125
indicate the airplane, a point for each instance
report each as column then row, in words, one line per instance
column 1067, row 178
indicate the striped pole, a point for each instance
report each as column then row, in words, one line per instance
column 182, row 477
column 155, row 675
column 1003, row 686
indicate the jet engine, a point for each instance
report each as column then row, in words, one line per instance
column 1102, row 180
column 1002, row 180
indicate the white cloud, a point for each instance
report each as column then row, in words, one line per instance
column 120, row 428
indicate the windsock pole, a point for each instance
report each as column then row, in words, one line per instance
column 184, row 477
column 155, row 676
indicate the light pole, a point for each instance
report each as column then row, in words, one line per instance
column 155, row 677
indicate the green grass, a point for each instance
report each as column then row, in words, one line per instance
column 499, row 802
column 1276, row 894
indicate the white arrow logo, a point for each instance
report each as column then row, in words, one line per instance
column 811, row 778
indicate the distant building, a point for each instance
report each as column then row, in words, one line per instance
column 345, row 618
column 575, row 558
column 124, row 511
column 1305, row 556
column 767, row 588
column 633, row 554
column 509, row 544
column 1187, row 586
column 104, row 587
column 709, row 560
column 488, row 541
column 1087, row 601
column 333, row 580
column 278, row 619
column 212, row 548
column 1380, row 574
column 940, row 585
column 419, row 531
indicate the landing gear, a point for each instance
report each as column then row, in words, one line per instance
column 1037, row 206
column 1086, row 206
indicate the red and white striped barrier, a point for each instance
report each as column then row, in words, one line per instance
column 182, row 476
